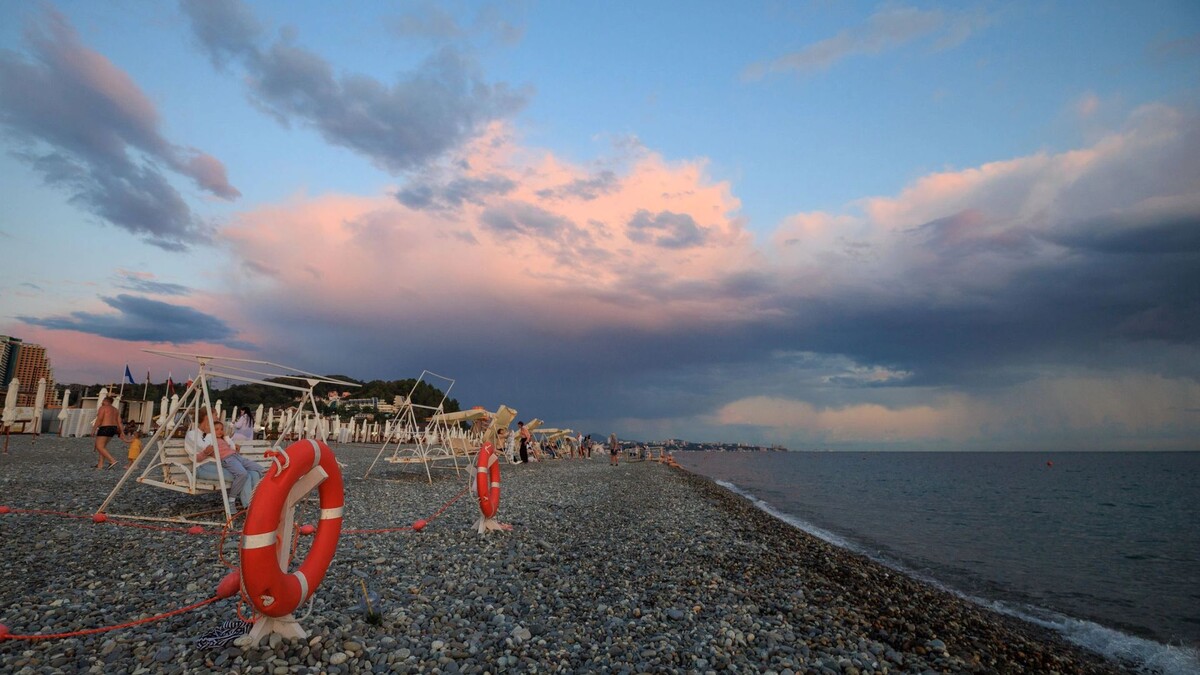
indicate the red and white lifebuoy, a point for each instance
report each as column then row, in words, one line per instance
column 487, row 480
column 270, row 588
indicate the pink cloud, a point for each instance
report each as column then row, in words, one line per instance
column 565, row 256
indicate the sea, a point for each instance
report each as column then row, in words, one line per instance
column 1103, row 547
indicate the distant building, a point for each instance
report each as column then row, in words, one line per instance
column 372, row 402
column 28, row 363
column 7, row 351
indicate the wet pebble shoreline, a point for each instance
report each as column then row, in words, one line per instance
column 638, row 568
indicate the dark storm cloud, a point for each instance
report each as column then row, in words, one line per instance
column 139, row 319
column 86, row 127
column 399, row 126
column 1106, row 302
column 1164, row 233
column 666, row 229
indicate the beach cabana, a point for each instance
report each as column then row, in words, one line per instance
column 165, row 463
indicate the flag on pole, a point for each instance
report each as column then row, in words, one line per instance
column 128, row 375
column 170, row 385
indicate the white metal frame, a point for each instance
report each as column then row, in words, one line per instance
column 195, row 398
column 409, row 442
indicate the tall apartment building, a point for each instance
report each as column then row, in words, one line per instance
column 29, row 363
column 6, row 354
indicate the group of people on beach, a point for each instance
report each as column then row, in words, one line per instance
column 200, row 442
column 521, row 448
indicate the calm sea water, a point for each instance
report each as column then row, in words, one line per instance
column 1104, row 547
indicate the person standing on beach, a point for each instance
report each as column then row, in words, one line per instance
column 525, row 437
column 614, row 449
column 106, row 425
column 243, row 426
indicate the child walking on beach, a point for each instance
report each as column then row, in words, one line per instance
column 135, row 445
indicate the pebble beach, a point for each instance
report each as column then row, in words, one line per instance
column 635, row 568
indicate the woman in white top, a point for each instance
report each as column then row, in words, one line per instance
column 243, row 426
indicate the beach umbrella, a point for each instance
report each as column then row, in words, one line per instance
column 217, row 411
column 62, row 414
column 38, row 405
column 102, row 395
column 147, row 415
column 10, row 401
column 174, row 405
column 162, row 411
column 258, row 416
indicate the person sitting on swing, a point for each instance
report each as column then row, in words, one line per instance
column 201, row 444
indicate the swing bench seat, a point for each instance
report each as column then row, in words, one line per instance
column 179, row 469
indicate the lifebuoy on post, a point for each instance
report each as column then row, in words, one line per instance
column 267, row 534
column 487, row 488
column 487, row 480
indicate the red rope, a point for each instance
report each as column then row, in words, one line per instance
column 92, row 631
column 225, row 530
column 437, row 513
column 106, row 521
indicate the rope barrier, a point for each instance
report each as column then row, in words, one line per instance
column 417, row 526
column 102, row 519
column 224, row 591
column 5, row 635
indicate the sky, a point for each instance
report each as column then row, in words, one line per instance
column 825, row 225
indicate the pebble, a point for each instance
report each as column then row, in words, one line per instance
column 579, row 585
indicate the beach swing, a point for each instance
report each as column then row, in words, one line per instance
column 418, row 434
column 460, row 441
column 165, row 462
column 501, row 419
column 549, row 437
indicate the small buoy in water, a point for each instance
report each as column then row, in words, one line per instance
column 195, row 529
column 1049, row 463
column 307, row 529
column 419, row 525
column 230, row 584
column 99, row 518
